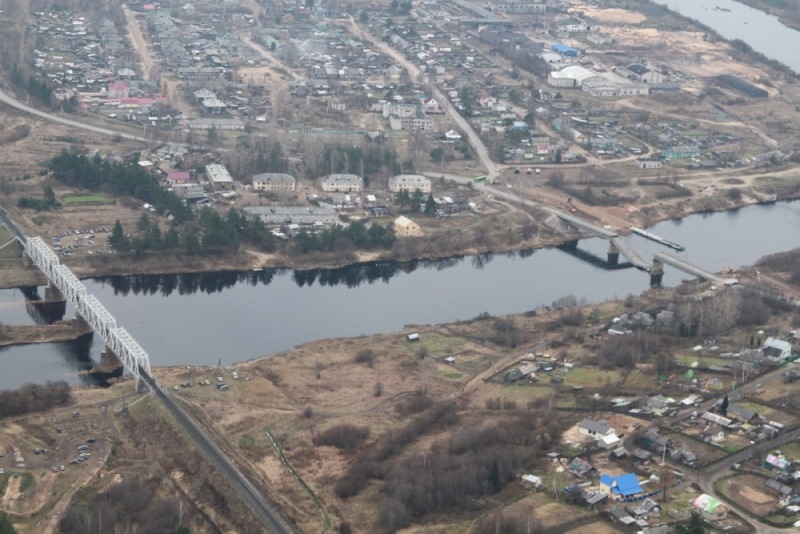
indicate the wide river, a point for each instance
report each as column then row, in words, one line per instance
column 765, row 33
column 203, row 318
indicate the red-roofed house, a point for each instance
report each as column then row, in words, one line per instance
column 487, row 100
column 178, row 177
column 117, row 90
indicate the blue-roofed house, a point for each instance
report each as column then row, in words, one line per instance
column 622, row 486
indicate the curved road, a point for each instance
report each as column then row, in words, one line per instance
column 10, row 101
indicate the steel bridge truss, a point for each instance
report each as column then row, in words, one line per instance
column 121, row 343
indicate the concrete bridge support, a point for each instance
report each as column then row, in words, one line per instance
column 613, row 254
column 571, row 244
column 656, row 273
column 79, row 324
column 52, row 294
column 109, row 360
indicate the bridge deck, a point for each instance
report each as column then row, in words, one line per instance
column 585, row 225
column 687, row 267
column 625, row 249
column 121, row 343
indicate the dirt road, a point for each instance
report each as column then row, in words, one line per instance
column 139, row 43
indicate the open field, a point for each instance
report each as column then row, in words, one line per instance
column 749, row 492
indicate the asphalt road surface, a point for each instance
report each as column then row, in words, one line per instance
column 9, row 100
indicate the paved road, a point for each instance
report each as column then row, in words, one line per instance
column 272, row 520
column 10, row 101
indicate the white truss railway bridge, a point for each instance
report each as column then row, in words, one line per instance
column 117, row 339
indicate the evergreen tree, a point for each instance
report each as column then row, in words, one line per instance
column 724, row 406
column 416, row 201
column 118, row 239
column 430, row 205
column 693, row 525
column 50, row 196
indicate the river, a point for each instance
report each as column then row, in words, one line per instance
column 765, row 33
column 204, row 318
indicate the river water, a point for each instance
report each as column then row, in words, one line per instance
column 765, row 33
column 203, row 318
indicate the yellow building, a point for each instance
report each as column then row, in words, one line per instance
column 405, row 227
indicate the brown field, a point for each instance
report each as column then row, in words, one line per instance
column 749, row 492
column 598, row 527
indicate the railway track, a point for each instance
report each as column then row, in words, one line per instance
column 271, row 519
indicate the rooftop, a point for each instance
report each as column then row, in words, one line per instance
column 624, row 485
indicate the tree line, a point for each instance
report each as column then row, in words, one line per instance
column 34, row 398
column 216, row 235
column 95, row 173
column 339, row 238
column 48, row 202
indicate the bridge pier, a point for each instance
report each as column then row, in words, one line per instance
column 613, row 254
column 52, row 294
column 656, row 273
column 79, row 324
column 572, row 244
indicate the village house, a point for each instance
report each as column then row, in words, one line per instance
column 431, row 107
column 342, row 183
column 648, row 163
column 621, row 487
column 680, row 152
column 419, row 121
column 178, row 177
column 741, row 413
column 710, row 508
column 580, row 468
column 274, row 181
column 119, row 89
column 405, row 227
column 410, row 183
column 776, row 350
column 595, row 429
column 219, row 177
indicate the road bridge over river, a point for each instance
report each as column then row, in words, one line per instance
column 617, row 245
column 661, row 258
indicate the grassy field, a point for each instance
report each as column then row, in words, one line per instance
column 689, row 359
column 86, row 199
column 583, row 376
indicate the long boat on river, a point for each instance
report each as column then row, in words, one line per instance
column 657, row 239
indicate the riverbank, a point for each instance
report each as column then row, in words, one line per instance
column 770, row 8
column 11, row 335
column 14, row 274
